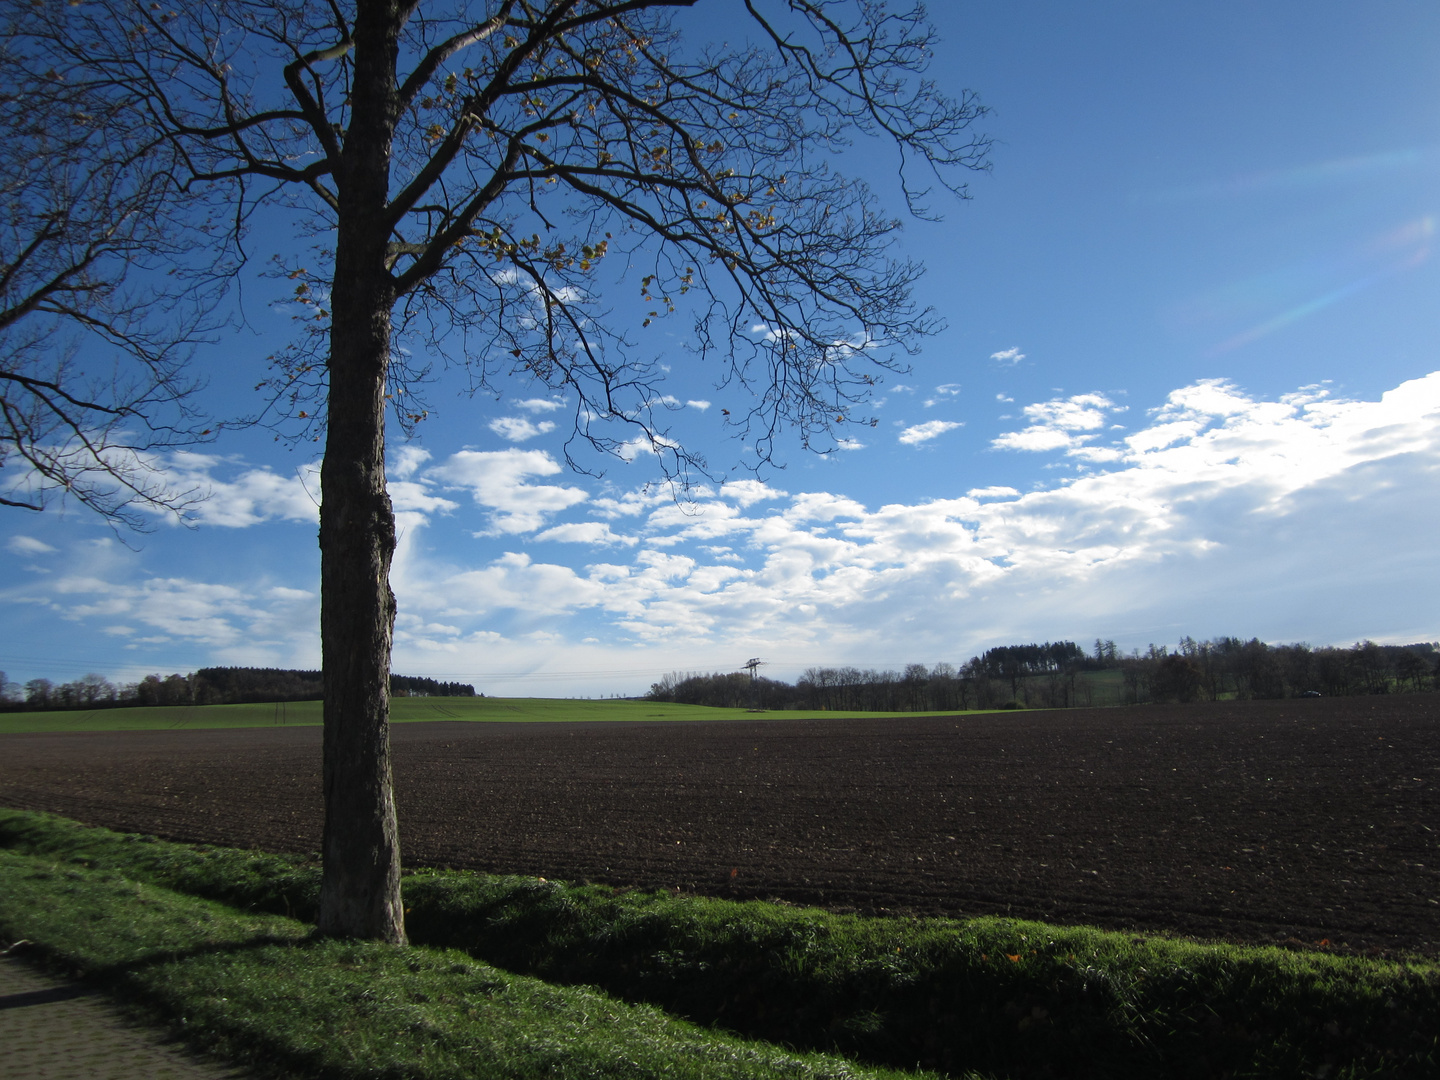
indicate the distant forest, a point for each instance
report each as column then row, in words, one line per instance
column 208, row 686
column 1061, row 674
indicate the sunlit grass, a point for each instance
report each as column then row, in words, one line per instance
column 261, row 988
column 1006, row 997
column 402, row 711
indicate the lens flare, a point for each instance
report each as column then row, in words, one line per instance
column 1411, row 241
column 1317, row 174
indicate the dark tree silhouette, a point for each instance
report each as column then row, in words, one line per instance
column 107, row 274
column 466, row 169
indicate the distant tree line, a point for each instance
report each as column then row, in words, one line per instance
column 1061, row 675
column 1228, row 667
column 208, row 686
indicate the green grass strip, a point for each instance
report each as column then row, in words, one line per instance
column 1000, row 996
column 259, row 988
column 402, row 711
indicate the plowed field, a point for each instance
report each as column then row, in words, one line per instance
column 1307, row 821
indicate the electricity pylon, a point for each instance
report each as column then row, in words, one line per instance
column 751, row 665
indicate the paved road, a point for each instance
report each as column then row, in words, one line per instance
column 56, row 1030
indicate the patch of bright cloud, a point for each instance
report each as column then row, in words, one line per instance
column 701, row 405
column 1011, row 356
column 748, row 492
column 406, row 460
column 250, row 498
column 586, row 532
column 641, row 445
column 1285, row 500
column 500, row 481
column 28, row 545
column 407, row 495
column 1060, row 424
column 519, row 429
column 539, row 405
column 931, row 429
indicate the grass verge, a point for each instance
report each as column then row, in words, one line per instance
column 1004, row 997
column 259, row 988
column 402, row 711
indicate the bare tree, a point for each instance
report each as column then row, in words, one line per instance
column 103, row 287
column 466, row 169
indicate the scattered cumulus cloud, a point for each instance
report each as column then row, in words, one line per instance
column 257, row 621
column 942, row 393
column 1286, row 501
column 748, row 492
column 701, row 405
column 519, row 429
column 1085, row 551
column 253, row 496
column 641, row 445
column 28, row 545
column 406, row 460
column 931, row 429
column 586, row 532
column 1010, row 356
column 500, row 481
column 405, row 495
column 1060, row 424
column 539, row 405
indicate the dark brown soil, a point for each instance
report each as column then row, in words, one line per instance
column 1305, row 821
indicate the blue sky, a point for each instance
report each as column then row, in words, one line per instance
column 1189, row 384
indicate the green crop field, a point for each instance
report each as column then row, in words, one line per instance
column 402, row 711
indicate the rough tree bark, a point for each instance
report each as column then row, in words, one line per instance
column 360, row 886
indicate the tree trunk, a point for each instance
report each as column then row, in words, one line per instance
column 360, row 886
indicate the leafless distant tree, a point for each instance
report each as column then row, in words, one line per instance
column 466, row 169
column 101, row 292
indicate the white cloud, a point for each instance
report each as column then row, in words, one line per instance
column 641, row 445
column 499, row 480
column 1060, row 424
column 518, row 429
column 407, row 495
column 539, row 405
column 1011, row 355
column 822, row 506
column 586, row 532
column 406, row 460
column 830, row 578
column 1303, row 517
column 28, row 545
column 925, row 432
column 252, row 497
column 748, row 492
column 249, row 622
column 632, row 503
column 701, row 405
